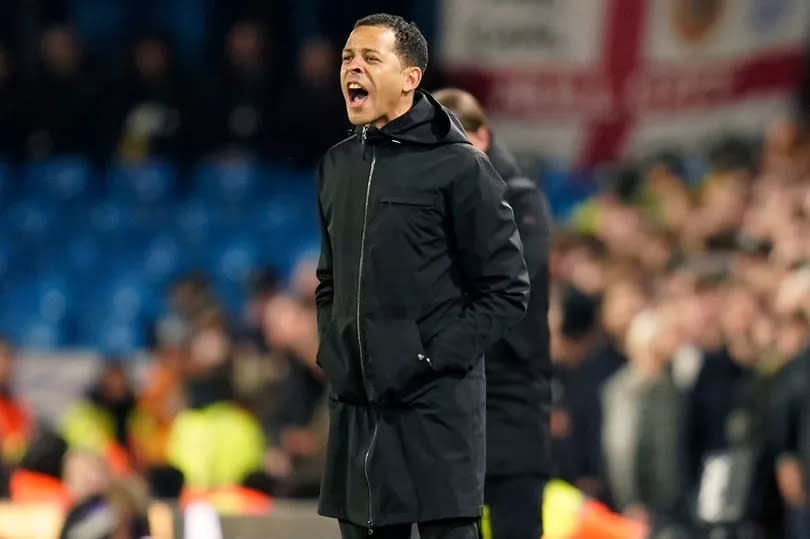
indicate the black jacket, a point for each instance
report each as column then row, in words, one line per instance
column 420, row 259
column 517, row 367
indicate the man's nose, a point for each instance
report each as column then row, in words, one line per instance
column 354, row 66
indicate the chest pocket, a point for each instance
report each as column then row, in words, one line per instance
column 425, row 200
column 412, row 214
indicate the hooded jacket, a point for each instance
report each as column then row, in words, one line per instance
column 518, row 367
column 420, row 271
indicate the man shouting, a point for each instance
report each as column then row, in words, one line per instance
column 420, row 272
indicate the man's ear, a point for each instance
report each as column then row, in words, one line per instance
column 413, row 76
column 483, row 135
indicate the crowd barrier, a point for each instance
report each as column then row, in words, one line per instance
column 287, row 520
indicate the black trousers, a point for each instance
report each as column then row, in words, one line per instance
column 513, row 507
column 454, row 528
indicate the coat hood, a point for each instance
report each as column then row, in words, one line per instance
column 427, row 123
column 503, row 161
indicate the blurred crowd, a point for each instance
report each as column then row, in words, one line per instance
column 230, row 411
column 680, row 340
column 177, row 79
column 679, row 309
column 146, row 107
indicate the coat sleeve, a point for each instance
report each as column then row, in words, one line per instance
column 488, row 255
column 324, row 293
column 533, row 219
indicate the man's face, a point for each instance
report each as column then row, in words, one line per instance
column 374, row 80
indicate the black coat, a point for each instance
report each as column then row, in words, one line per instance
column 420, row 272
column 517, row 367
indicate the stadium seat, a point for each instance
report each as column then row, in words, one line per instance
column 128, row 298
column 145, row 182
column 31, row 220
column 38, row 334
column 61, row 179
column 109, row 219
column 44, row 298
column 52, row 297
column 118, row 338
column 6, row 257
column 234, row 259
column 163, row 259
column 81, row 255
column 193, row 218
column 229, row 182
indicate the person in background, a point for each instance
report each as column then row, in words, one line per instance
column 215, row 442
column 238, row 115
column 148, row 107
column 103, row 508
column 38, row 477
column 791, row 420
column 299, row 425
column 60, row 103
column 314, row 83
column 262, row 286
column 188, row 298
column 574, row 336
column 16, row 423
column 640, row 426
column 100, row 422
column 161, row 398
column 518, row 368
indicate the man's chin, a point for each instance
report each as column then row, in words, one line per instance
column 359, row 118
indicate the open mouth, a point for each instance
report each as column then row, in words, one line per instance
column 357, row 95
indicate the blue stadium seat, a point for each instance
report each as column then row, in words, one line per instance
column 193, row 218
column 109, row 219
column 61, row 179
column 194, row 224
column 31, row 220
column 38, row 334
column 276, row 216
column 7, row 257
column 53, row 298
column 565, row 190
column 45, row 298
column 234, row 259
column 145, row 182
column 228, row 182
column 163, row 259
column 128, row 298
column 82, row 255
column 149, row 220
column 116, row 337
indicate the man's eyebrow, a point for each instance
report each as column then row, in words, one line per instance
column 366, row 50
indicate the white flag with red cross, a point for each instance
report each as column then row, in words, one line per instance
column 590, row 81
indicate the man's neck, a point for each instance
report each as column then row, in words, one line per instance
column 404, row 106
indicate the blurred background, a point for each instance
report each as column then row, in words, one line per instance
column 158, row 238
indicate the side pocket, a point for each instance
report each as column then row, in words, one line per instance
column 338, row 366
column 396, row 361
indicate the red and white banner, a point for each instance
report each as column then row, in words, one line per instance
column 590, row 81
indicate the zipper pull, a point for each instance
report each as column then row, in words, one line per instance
column 370, row 529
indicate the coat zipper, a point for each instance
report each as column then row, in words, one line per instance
column 368, row 480
column 359, row 337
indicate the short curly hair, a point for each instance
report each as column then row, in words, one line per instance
column 411, row 45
